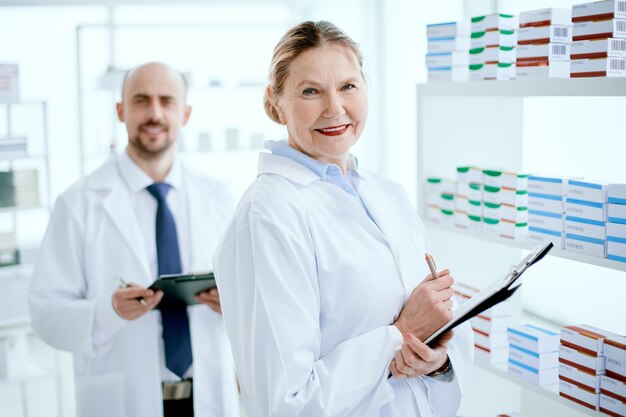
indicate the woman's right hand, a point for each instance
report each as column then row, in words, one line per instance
column 428, row 307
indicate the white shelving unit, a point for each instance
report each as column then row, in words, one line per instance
column 469, row 123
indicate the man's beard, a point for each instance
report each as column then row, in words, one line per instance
column 148, row 152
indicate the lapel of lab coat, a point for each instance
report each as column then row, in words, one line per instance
column 382, row 206
column 117, row 206
column 378, row 201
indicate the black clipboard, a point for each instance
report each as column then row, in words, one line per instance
column 495, row 293
column 181, row 289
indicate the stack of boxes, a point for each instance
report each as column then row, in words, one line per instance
column 8, row 249
column 19, row 188
column 616, row 225
column 533, row 355
column 596, row 52
column 440, row 199
column 490, row 327
column 585, row 217
column 543, row 43
column 492, row 47
column 546, row 214
column 447, row 58
column 613, row 383
column 582, row 363
column 468, row 207
column 505, row 203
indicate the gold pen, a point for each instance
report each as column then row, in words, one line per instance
column 431, row 265
column 123, row 284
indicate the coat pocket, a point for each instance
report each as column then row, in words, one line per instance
column 100, row 395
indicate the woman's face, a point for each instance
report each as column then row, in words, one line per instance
column 324, row 103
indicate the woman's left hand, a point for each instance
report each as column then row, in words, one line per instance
column 416, row 358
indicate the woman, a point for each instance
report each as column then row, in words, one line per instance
column 319, row 271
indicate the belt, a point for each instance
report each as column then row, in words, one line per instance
column 179, row 390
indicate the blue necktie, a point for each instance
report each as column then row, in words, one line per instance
column 176, row 335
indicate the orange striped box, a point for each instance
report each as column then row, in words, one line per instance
column 574, row 357
column 612, row 406
column 586, row 338
column 615, row 352
column 579, row 394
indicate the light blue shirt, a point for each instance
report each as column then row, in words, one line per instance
column 330, row 173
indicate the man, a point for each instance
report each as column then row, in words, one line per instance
column 140, row 215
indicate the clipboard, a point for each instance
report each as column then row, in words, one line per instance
column 181, row 289
column 498, row 291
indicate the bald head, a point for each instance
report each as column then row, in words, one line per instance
column 155, row 71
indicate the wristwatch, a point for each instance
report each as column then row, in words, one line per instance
column 442, row 370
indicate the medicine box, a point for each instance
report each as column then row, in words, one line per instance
column 598, row 67
column 598, row 48
column 611, row 28
column 489, row 325
column 448, row 29
column 491, row 194
column 491, row 226
column 499, row 71
column 491, row 210
column 617, row 230
column 447, row 44
column 533, row 338
column 475, row 223
column 579, row 377
column 614, row 386
column 617, row 213
column 547, row 185
column 612, row 406
column 469, row 174
column 493, row 38
column 542, row 236
column 446, row 201
column 544, row 34
column 596, row 192
column 513, row 213
column 447, row 59
column 492, row 54
column 518, row 198
column 498, row 178
column 475, row 208
column 615, row 352
column 548, row 376
column 546, row 202
column 616, row 250
column 494, row 21
column 585, row 337
column 448, row 74
column 599, row 10
column 581, row 395
column 535, row 360
column 582, row 359
column 583, row 227
column 546, row 220
column 544, row 17
column 586, row 246
column 490, row 341
column 491, row 356
column 460, row 219
column 586, row 209
column 461, row 203
column 539, row 69
column 546, row 52
column 513, row 230
column 617, row 193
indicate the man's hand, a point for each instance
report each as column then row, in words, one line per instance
column 428, row 307
column 127, row 303
column 211, row 298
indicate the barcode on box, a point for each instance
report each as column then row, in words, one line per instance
column 616, row 64
column 621, row 6
column 620, row 25
column 560, row 31
column 559, row 50
column 618, row 44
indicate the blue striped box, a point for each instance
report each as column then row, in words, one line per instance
column 542, row 377
column 585, row 245
column 546, row 202
column 586, row 209
column 617, row 194
column 547, row 185
column 533, row 338
column 617, row 213
column 535, row 360
column 595, row 192
column 577, row 226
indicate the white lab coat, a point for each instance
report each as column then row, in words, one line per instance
column 93, row 236
column 310, row 287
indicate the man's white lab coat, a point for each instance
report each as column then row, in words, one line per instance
column 92, row 237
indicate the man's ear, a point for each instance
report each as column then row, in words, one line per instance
column 186, row 115
column 119, row 107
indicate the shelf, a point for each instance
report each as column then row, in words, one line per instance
column 7, row 156
column 501, row 371
column 577, row 87
column 593, row 260
column 11, row 209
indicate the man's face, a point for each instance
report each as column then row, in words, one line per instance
column 153, row 109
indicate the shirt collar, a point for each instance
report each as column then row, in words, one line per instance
column 137, row 180
column 321, row 169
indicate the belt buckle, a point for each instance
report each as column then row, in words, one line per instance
column 179, row 390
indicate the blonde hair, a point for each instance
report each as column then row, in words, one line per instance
column 300, row 38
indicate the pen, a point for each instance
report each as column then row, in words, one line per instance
column 431, row 265
column 123, row 284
